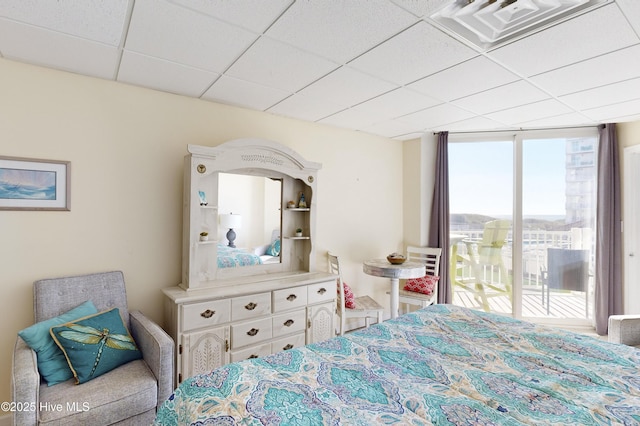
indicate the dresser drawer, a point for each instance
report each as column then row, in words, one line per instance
column 289, row 298
column 250, row 332
column 321, row 292
column 286, row 343
column 252, row 352
column 246, row 307
column 288, row 323
column 204, row 314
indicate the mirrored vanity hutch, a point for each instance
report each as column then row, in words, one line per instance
column 264, row 295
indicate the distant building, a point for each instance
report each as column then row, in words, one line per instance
column 581, row 155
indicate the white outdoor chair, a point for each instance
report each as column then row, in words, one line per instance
column 365, row 306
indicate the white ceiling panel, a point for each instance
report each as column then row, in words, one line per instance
column 467, row 78
column 595, row 33
column 528, row 112
column 605, row 95
column 436, row 116
column 340, row 30
column 274, row 64
column 411, row 55
column 242, row 93
column 379, row 66
column 163, row 75
column 305, row 107
column 57, row 50
column 174, row 33
column 97, row 20
column 610, row 68
column 254, row 15
column 503, row 97
column 348, row 87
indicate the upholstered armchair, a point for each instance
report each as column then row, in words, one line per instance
column 625, row 329
column 128, row 394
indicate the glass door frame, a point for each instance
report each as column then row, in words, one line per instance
column 517, row 138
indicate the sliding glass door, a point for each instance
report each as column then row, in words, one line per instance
column 522, row 223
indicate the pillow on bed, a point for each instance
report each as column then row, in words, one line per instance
column 52, row 364
column 349, row 298
column 96, row 344
column 424, row 285
column 274, row 248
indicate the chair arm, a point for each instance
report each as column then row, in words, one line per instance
column 157, row 349
column 624, row 329
column 25, row 383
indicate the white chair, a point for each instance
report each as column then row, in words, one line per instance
column 430, row 256
column 365, row 306
column 625, row 329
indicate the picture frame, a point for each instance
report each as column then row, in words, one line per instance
column 34, row 184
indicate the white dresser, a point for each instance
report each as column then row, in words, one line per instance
column 248, row 319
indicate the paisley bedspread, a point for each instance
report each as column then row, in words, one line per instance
column 442, row 365
column 229, row 257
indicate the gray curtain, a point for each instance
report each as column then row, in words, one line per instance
column 439, row 226
column 608, row 274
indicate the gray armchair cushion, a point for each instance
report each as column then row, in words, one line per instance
column 625, row 329
column 130, row 394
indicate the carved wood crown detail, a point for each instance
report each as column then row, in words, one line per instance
column 262, row 158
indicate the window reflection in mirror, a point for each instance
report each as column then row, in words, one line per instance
column 257, row 200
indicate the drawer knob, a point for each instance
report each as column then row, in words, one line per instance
column 289, row 346
column 288, row 322
column 251, row 306
column 292, row 297
column 253, row 356
column 253, row 332
column 208, row 313
column 322, row 290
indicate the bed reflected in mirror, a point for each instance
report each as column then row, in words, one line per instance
column 257, row 200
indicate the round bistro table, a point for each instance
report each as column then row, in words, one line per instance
column 382, row 268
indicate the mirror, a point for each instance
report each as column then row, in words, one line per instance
column 256, row 200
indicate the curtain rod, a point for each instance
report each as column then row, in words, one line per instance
column 522, row 130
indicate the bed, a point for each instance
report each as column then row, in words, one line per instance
column 229, row 257
column 441, row 365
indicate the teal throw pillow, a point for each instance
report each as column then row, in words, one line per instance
column 52, row 364
column 274, row 248
column 96, row 344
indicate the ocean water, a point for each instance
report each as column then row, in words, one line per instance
column 26, row 192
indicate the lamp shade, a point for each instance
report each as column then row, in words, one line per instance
column 231, row 221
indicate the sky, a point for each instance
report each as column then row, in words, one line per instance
column 481, row 177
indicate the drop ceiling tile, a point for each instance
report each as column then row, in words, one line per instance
column 394, row 129
column 610, row 112
column 436, row 116
column 396, row 103
column 597, row 32
column 97, row 20
column 422, row 8
column 254, row 15
column 472, row 76
column 471, row 124
column 176, row 34
column 534, row 111
column 631, row 9
column 563, row 120
column 418, row 51
column 347, row 87
column 305, row 107
column 56, row 50
column 503, row 97
column 340, row 30
column 244, row 93
column 349, row 118
column 599, row 71
column 163, row 75
column 605, row 95
column 274, row 64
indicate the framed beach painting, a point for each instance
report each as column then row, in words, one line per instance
column 32, row 184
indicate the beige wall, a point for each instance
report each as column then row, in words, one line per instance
column 126, row 146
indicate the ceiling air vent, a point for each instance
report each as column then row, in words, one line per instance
column 489, row 23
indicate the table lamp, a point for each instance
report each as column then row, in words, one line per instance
column 231, row 221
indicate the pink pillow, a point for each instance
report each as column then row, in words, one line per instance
column 424, row 285
column 349, row 298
